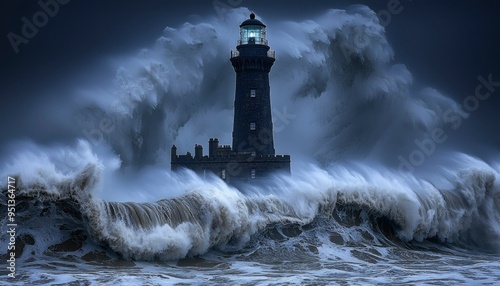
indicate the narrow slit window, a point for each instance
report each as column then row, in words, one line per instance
column 252, row 126
column 252, row 93
column 252, row 174
column 223, row 174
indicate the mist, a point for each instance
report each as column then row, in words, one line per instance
column 339, row 97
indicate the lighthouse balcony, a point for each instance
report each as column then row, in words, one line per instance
column 235, row 54
column 270, row 53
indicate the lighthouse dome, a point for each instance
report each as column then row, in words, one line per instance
column 252, row 21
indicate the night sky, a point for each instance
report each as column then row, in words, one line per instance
column 445, row 47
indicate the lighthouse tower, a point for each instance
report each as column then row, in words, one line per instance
column 252, row 62
column 251, row 156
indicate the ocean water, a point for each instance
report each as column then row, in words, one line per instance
column 312, row 229
column 106, row 210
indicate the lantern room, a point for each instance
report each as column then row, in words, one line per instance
column 252, row 31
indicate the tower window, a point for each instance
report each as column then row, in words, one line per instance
column 252, row 174
column 252, row 93
column 252, row 126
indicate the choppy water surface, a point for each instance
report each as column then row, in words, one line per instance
column 323, row 231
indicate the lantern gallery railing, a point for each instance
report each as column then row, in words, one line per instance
column 234, row 53
column 270, row 53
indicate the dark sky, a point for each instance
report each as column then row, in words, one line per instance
column 446, row 46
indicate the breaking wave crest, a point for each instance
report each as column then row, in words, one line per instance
column 462, row 210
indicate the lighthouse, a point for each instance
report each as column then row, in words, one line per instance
column 252, row 154
column 252, row 61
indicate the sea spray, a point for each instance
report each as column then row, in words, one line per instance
column 219, row 216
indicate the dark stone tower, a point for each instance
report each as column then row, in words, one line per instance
column 252, row 62
column 252, row 155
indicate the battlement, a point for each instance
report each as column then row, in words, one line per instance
column 230, row 165
column 222, row 153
